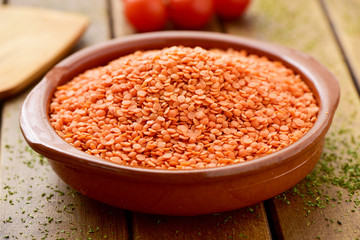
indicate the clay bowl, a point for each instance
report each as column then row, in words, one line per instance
column 179, row 192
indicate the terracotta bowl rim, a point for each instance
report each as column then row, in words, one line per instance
column 323, row 82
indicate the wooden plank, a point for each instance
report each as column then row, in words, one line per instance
column 323, row 206
column 250, row 223
column 120, row 25
column 247, row 222
column 35, row 203
column 345, row 18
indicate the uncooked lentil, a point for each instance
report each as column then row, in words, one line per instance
column 180, row 107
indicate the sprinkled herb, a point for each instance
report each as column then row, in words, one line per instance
column 50, row 196
column 50, row 219
column 8, row 220
column 333, row 169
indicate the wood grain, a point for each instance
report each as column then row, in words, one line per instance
column 316, row 208
column 345, row 18
column 35, row 203
column 245, row 223
column 33, row 40
column 121, row 26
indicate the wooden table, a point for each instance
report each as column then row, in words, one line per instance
column 36, row 204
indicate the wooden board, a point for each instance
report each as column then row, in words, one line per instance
column 34, row 202
column 317, row 208
column 33, row 40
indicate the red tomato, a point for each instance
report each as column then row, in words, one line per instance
column 190, row 14
column 230, row 9
column 146, row 15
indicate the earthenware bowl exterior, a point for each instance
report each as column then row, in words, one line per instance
column 179, row 192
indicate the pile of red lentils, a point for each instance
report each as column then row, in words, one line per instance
column 184, row 108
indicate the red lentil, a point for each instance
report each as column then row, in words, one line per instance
column 184, row 108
